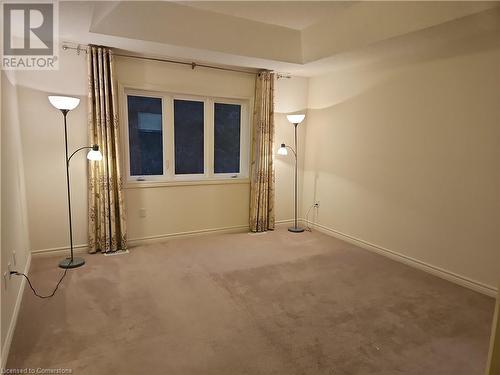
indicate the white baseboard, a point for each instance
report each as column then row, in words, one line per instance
column 434, row 270
column 62, row 251
column 285, row 221
column 163, row 237
column 15, row 314
column 232, row 229
column 83, row 248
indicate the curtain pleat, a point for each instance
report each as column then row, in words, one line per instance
column 262, row 170
column 107, row 227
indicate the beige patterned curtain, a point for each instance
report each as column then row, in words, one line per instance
column 262, row 177
column 107, row 229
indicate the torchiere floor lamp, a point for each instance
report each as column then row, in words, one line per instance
column 295, row 120
column 66, row 104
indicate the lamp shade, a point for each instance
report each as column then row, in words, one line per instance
column 295, row 119
column 64, row 102
column 94, row 154
column 282, row 150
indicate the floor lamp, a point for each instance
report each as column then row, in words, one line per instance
column 295, row 120
column 66, row 104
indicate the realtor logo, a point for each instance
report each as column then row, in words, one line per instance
column 29, row 36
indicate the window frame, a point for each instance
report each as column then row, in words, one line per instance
column 244, row 139
column 169, row 177
column 192, row 176
column 126, row 142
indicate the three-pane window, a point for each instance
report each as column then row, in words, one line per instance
column 178, row 137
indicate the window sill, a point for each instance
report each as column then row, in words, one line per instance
column 156, row 184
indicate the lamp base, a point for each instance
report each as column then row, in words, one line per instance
column 68, row 263
column 296, row 229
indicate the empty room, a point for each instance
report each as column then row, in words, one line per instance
column 250, row 187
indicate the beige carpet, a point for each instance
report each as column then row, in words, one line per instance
column 275, row 303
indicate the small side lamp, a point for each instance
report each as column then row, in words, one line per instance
column 282, row 150
column 94, row 154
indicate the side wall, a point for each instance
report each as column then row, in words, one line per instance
column 403, row 154
column 15, row 244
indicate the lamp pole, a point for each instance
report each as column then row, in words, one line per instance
column 295, row 120
column 65, row 113
column 295, row 228
column 70, row 262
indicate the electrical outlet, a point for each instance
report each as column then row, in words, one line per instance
column 142, row 212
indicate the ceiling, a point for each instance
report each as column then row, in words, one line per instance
column 296, row 15
column 297, row 37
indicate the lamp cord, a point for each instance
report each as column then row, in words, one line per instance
column 33, row 289
column 308, row 227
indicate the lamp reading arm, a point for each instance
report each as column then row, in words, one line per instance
column 291, row 149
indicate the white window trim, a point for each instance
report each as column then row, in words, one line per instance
column 125, row 131
column 169, row 178
column 206, row 118
column 245, row 139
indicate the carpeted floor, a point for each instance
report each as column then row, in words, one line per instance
column 274, row 303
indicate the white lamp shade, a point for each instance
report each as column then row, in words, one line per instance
column 282, row 150
column 295, row 119
column 64, row 102
column 94, row 155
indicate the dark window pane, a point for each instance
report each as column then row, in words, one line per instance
column 145, row 135
column 189, row 137
column 227, row 138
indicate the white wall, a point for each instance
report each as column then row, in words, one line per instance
column 44, row 154
column 15, row 237
column 404, row 154
column 42, row 133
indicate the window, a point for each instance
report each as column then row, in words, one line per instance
column 189, row 136
column 145, row 135
column 185, row 138
column 227, row 122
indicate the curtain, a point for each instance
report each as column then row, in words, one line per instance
column 107, row 229
column 262, row 169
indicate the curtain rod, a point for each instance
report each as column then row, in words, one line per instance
column 193, row 65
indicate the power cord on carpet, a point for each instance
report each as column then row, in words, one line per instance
column 33, row 289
